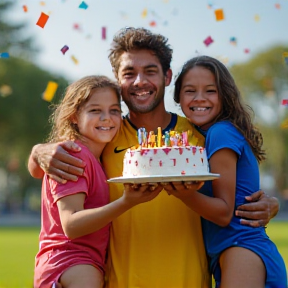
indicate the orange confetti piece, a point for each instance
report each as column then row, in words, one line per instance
column 50, row 91
column 74, row 59
column 42, row 20
column 219, row 14
column 42, row 3
column 25, row 8
column 152, row 24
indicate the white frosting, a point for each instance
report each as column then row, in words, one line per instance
column 190, row 160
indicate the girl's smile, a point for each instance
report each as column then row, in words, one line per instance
column 199, row 97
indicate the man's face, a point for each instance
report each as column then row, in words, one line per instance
column 142, row 81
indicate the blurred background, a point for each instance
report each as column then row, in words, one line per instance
column 250, row 37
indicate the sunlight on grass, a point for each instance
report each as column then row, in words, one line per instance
column 18, row 247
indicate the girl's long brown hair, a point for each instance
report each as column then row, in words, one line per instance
column 76, row 95
column 233, row 109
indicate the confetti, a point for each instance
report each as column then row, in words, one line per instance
column 285, row 57
column 144, row 13
column 42, row 20
column 42, row 3
column 5, row 90
column 76, row 26
column 208, row 41
column 284, row 102
column 277, row 6
column 246, row 50
column 209, row 5
column 4, row 55
column 257, row 18
column 219, row 14
column 64, row 49
column 103, row 33
column 284, row 124
column 152, row 24
column 83, row 5
column 233, row 41
column 50, row 91
column 74, row 59
column 25, row 8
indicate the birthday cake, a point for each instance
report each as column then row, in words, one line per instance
column 170, row 155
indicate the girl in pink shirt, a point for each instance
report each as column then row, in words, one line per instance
column 76, row 215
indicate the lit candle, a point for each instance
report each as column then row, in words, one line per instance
column 159, row 137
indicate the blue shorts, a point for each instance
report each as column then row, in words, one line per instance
column 276, row 274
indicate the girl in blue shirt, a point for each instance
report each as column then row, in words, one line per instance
column 240, row 256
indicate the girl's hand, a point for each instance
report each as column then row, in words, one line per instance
column 139, row 193
column 182, row 190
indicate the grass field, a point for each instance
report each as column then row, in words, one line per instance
column 18, row 247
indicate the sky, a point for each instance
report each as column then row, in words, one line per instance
column 256, row 25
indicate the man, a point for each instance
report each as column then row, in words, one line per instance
column 160, row 243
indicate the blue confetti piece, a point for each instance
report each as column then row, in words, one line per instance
column 4, row 55
column 83, row 5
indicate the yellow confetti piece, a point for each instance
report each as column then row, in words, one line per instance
column 257, row 18
column 219, row 14
column 50, row 91
column 42, row 3
column 285, row 58
column 74, row 59
column 5, row 90
column 284, row 124
column 144, row 13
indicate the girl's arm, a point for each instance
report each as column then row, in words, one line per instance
column 218, row 209
column 77, row 221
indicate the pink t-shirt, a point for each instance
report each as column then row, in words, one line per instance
column 56, row 251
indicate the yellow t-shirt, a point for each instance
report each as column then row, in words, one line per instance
column 157, row 244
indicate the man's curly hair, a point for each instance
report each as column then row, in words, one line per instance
column 130, row 38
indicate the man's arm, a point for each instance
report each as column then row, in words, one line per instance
column 55, row 160
column 261, row 209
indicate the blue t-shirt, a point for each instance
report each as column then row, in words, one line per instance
column 219, row 136
column 216, row 238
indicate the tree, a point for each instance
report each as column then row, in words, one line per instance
column 12, row 36
column 263, row 81
column 23, row 113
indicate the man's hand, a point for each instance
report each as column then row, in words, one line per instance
column 261, row 209
column 55, row 160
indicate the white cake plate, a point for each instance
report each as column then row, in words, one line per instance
column 161, row 178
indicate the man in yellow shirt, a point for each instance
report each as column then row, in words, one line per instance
column 157, row 244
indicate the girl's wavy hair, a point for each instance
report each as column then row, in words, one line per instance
column 75, row 96
column 233, row 109
column 130, row 38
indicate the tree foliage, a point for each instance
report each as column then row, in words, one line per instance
column 12, row 38
column 263, row 82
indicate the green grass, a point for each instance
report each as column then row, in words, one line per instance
column 18, row 247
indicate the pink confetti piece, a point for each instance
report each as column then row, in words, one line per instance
column 64, row 49
column 208, row 41
column 103, row 33
column 284, row 102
